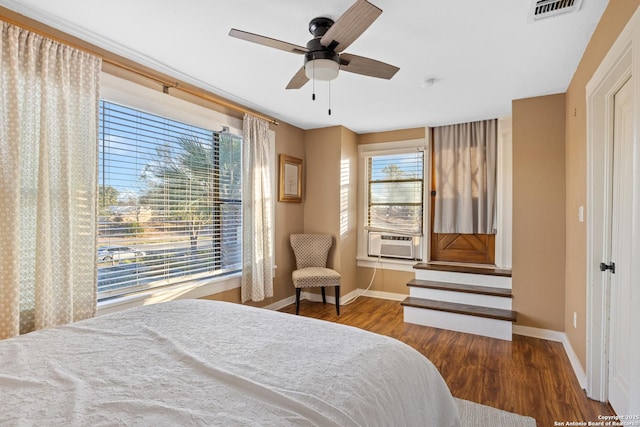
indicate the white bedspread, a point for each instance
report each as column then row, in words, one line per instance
column 208, row 363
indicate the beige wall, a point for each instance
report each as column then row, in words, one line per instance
column 613, row 21
column 322, row 181
column 394, row 135
column 392, row 281
column 326, row 151
column 289, row 217
column 539, row 211
column 348, row 227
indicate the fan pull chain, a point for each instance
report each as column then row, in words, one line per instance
column 313, row 95
column 329, row 97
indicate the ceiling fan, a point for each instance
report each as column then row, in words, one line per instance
column 323, row 56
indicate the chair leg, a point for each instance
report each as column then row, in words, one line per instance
column 337, row 300
column 324, row 298
column 298, row 290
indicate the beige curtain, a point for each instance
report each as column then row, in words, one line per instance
column 257, row 202
column 48, row 151
column 465, row 166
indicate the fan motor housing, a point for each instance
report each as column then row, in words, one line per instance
column 323, row 53
column 319, row 26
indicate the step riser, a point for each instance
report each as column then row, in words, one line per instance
column 464, row 278
column 491, row 328
column 461, row 297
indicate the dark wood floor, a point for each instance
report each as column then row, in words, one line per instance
column 528, row 376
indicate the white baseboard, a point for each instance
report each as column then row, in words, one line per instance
column 545, row 334
column 385, row 295
column 312, row 297
column 330, row 299
column 281, row 304
column 556, row 336
column 343, row 299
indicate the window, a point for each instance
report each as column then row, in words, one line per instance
column 169, row 201
column 395, row 192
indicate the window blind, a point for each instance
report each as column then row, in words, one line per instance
column 395, row 192
column 169, row 201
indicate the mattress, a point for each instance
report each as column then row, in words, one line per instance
column 197, row 362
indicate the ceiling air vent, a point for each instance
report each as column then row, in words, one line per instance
column 547, row 8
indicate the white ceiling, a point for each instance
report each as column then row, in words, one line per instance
column 481, row 53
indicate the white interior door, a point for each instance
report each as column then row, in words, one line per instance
column 620, row 278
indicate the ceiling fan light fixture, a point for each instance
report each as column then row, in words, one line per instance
column 321, row 69
column 324, row 55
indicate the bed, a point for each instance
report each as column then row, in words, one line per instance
column 197, row 362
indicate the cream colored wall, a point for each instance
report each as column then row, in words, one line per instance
column 289, row 217
column 611, row 24
column 394, row 135
column 391, row 281
column 323, row 155
column 539, row 211
column 348, row 230
column 322, row 181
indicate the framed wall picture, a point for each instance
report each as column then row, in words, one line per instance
column 290, row 179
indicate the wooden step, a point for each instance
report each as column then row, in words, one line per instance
column 488, row 271
column 466, row 309
column 458, row 287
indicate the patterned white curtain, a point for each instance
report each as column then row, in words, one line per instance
column 257, row 202
column 48, row 154
column 465, row 166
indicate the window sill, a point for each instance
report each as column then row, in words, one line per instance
column 193, row 289
column 387, row 263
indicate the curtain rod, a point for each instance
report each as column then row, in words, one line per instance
column 32, row 25
column 190, row 89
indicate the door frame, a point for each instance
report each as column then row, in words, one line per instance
column 621, row 62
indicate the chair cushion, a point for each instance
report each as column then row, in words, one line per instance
column 314, row 277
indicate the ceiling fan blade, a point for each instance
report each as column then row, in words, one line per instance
column 299, row 80
column 366, row 66
column 350, row 25
column 268, row 41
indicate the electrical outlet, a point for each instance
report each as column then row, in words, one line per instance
column 575, row 319
column 581, row 213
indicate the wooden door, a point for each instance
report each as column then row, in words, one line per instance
column 620, row 358
column 460, row 248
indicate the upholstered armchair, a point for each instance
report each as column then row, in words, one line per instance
column 311, row 252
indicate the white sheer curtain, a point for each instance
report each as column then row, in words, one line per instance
column 465, row 166
column 48, row 152
column 257, row 262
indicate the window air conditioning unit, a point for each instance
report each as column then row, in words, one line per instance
column 391, row 245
